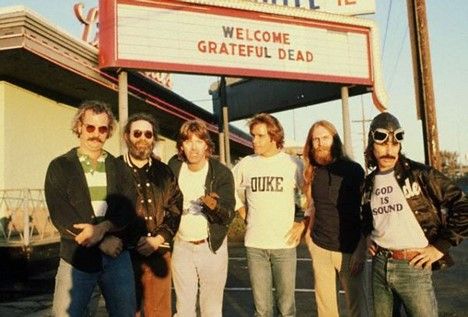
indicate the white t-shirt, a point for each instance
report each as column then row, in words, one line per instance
column 395, row 226
column 265, row 186
column 193, row 223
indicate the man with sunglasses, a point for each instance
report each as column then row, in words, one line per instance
column 412, row 215
column 158, row 208
column 90, row 194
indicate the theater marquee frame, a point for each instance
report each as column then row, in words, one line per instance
column 239, row 38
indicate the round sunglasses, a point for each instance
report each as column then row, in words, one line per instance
column 138, row 133
column 381, row 136
column 91, row 128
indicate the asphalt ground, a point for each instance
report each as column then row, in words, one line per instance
column 32, row 296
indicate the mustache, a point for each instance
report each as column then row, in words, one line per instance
column 143, row 143
column 95, row 139
column 388, row 157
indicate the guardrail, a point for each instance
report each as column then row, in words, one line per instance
column 25, row 219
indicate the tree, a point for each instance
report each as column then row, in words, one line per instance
column 450, row 166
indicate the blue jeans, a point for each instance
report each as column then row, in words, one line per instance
column 412, row 285
column 268, row 268
column 73, row 288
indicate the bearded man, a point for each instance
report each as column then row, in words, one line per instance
column 332, row 187
column 159, row 209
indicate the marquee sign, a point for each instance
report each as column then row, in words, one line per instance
column 180, row 36
column 347, row 7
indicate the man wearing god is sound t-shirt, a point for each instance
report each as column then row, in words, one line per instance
column 402, row 215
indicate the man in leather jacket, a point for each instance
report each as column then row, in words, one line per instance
column 412, row 215
column 158, row 209
column 200, row 256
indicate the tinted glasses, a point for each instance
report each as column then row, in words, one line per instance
column 91, row 128
column 138, row 133
column 381, row 136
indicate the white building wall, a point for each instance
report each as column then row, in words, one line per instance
column 165, row 149
column 35, row 130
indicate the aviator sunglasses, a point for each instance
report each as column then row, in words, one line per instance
column 91, row 128
column 138, row 133
column 381, row 136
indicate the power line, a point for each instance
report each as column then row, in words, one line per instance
column 386, row 28
column 403, row 40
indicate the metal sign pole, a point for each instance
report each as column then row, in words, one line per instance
column 123, row 105
column 346, row 121
column 224, row 116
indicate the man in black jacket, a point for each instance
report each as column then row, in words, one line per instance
column 90, row 194
column 159, row 208
column 413, row 215
column 200, row 258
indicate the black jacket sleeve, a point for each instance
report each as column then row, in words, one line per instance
column 121, row 202
column 445, row 195
column 60, row 208
column 223, row 185
column 173, row 207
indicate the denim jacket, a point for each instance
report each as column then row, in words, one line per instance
column 69, row 202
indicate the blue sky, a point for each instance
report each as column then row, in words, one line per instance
column 448, row 31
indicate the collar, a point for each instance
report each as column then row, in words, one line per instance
column 127, row 159
column 84, row 157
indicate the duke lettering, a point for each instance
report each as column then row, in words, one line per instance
column 266, row 184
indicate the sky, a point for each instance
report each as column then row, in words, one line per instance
column 448, row 35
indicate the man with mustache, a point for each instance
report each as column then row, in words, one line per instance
column 200, row 257
column 332, row 186
column 90, row 194
column 158, row 208
column 412, row 215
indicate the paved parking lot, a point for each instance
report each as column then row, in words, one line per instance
column 450, row 284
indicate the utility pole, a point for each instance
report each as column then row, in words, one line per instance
column 363, row 122
column 422, row 72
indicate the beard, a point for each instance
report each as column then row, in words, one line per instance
column 323, row 156
column 141, row 150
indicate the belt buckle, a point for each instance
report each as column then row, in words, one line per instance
column 385, row 252
column 198, row 242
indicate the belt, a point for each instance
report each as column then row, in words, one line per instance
column 398, row 254
column 197, row 242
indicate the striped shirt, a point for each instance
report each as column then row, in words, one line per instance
column 97, row 183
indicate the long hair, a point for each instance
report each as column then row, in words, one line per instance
column 337, row 152
column 369, row 157
column 274, row 127
column 145, row 117
column 97, row 107
column 198, row 128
